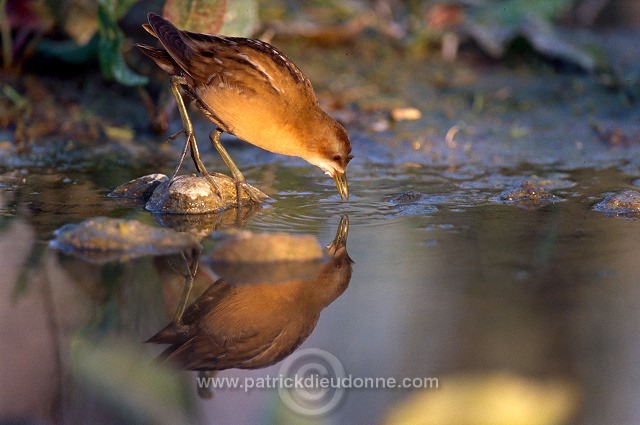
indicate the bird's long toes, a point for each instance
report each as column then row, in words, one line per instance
column 254, row 193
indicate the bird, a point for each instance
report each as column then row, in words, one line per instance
column 251, row 90
column 254, row 325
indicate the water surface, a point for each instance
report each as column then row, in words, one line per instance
column 447, row 281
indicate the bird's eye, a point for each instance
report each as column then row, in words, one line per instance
column 337, row 158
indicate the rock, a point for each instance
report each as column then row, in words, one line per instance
column 141, row 188
column 194, row 195
column 270, row 257
column 406, row 197
column 528, row 195
column 624, row 204
column 103, row 239
column 248, row 247
column 405, row 114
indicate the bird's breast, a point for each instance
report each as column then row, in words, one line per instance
column 269, row 121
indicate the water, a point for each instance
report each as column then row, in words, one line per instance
column 448, row 281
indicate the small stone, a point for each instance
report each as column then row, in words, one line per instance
column 528, row 195
column 140, row 188
column 380, row 126
column 624, row 204
column 103, row 239
column 249, row 247
column 405, row 114
column 406, row 197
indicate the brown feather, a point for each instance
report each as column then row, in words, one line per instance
column 148, row 29
column 161, row 58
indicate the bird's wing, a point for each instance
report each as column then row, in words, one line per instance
column 218, row 62
column 171, row 40
column 245, row 65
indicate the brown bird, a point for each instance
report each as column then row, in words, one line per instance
column 254, row 325
column 249, row 89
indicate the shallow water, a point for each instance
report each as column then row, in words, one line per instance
column 447, row 281
column 450, row 282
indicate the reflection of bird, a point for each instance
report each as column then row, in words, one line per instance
column 254, row 325
column 249, row 89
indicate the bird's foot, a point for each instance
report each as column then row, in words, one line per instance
column 255, row 194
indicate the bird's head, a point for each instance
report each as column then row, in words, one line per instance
column 333, row 157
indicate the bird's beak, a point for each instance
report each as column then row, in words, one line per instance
column 341, row 184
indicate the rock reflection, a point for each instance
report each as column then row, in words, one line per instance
column 202, row 225
column 254, row 325
column 102, row 239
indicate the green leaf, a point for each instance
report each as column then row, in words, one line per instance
column 241, row 18
column 110, row 47
column 238, row 18
column 196, row 15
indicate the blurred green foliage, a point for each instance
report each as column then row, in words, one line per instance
column 513, row 12
column 89, row 30
column 496, row 24
column 204, row 16
column 84, row 30
column 125, row 380
column 110, row 40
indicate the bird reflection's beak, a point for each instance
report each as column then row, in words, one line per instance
column 341, row 184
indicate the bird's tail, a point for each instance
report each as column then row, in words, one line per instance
column 161, row 57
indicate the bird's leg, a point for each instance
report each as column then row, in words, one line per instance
column 184, row 152
column 255, row 194
column 176, row 82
